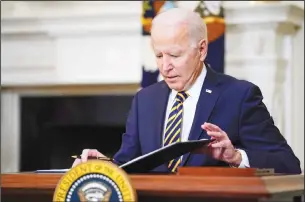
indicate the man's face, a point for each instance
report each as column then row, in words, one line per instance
column 176, row 59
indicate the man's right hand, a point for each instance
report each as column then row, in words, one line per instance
column 85, row 154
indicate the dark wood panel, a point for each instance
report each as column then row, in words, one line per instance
column 46, row 196
column 166, row 187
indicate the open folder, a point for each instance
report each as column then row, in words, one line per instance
column 149, row 161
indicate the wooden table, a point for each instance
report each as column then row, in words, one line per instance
column 40, row 187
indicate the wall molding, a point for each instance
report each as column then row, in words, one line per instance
column 73, row 89
column 73, row 18
column 263, row 13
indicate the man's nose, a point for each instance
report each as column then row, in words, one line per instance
column 166, row 64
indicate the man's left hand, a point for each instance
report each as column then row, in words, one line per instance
column 221, row 147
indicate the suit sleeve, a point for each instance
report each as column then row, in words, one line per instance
column 261, row 140
column 130, row 147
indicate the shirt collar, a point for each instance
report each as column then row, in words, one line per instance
column 195, row 89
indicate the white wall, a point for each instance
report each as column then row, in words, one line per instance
column 297, row 78
column 10, row 130
column 70, row 42
column 271, row 54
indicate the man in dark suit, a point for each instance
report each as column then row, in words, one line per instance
column 195, row 102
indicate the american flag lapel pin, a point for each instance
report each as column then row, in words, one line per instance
column 208, row 91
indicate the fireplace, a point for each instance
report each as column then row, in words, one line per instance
column 55, row 127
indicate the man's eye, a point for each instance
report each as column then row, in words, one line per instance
column 174, row 56
column 159, row 56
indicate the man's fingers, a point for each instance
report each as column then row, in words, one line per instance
column 221, row 144
column 90, row 153
column 213, row 127
column 215, row 135
column 206, row 127
column 76, row 162
column 95, row 153
column 84, row 155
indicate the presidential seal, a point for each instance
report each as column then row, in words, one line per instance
column 95, row 181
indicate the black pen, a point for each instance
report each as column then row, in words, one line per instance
column 92, row 158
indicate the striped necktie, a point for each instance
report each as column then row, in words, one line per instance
column 173, row 127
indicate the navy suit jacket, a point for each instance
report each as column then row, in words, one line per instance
column 234, row 105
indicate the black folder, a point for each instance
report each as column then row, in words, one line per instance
column 163, row 155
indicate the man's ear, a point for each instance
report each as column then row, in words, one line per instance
column 203, row 49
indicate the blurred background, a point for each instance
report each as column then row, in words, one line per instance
column 69, row 70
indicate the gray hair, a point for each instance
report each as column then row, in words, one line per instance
column 176, row 16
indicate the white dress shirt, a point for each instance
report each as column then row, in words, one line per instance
column 189, row 108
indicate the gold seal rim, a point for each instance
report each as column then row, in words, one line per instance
column 118, row 172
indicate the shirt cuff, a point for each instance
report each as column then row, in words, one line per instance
column 244, row 159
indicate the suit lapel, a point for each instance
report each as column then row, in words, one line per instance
column 207, row 99
column 160, row 109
